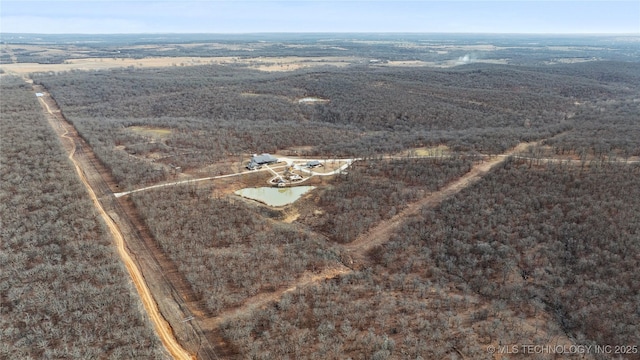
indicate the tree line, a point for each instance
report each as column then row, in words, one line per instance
column 65, row 292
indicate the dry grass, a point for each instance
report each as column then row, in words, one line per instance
column 108, row 63
column 154, row 132
column 291, row 215
column 291, row 63
column 328, row 166
column 287, row 63
column 440, row 64
column 275, row 64
column 427, row 151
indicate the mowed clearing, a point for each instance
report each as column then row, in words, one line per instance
column 154, row 132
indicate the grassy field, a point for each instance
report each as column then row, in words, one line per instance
column 268, row 64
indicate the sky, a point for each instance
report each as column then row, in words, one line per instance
column 240, row 16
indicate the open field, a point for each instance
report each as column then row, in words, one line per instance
column 440, row 150
column 479, row 203
column 267, row 64
column 157, row 133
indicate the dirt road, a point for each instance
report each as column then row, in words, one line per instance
column 378, row 235
column 381, row 233
column 188, row 181
column 188, row 318
column 263, row 299
column 163, row 329
column 288, row 162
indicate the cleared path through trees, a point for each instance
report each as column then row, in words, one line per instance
column 163, row 329
column 181, row 182
column 381, row 233
column 263, row 299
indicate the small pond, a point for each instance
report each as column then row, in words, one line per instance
column 273, row 196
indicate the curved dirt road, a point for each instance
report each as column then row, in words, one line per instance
column 164, row 331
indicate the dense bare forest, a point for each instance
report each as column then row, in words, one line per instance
column 527, row 255
column 539, row 248
column 64, row 292
column 608, row 129
column 376, row 190
column 214, row 255
column 213, row 112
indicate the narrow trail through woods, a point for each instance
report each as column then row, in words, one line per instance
column 163, row 329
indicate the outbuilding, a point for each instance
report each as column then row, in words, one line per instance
column 313, row 164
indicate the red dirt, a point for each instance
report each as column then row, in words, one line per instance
column 157, row 281
column 175, row 299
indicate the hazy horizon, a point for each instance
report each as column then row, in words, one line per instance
column 603, row 34
column 565, row 17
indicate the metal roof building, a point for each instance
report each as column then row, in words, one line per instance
column 313, row 163
column 258, row 160
column 264, row 159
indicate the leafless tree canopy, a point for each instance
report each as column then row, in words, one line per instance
column 64, row 292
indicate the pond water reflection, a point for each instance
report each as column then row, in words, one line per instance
column 273, row 196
